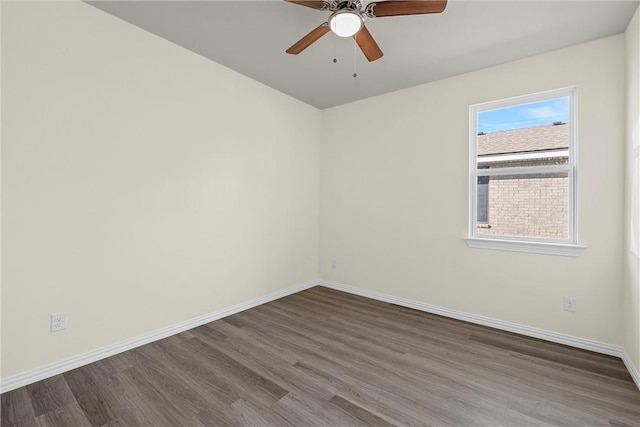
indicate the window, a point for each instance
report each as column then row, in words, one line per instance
column 483, row 197
column 523, row 174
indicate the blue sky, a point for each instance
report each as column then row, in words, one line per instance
column 524, row 115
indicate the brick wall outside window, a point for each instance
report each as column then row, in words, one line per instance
column 531, row 206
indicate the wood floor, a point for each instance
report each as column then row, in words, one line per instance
column 322, row 358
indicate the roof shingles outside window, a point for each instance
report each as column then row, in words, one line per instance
column 523, row 140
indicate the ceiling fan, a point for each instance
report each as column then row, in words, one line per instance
column 347, row 20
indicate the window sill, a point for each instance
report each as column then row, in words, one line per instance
column 563, row 249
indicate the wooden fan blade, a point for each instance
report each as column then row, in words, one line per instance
column 314, row 4
column 368, row 45
column 411, row 7
column 307, row 40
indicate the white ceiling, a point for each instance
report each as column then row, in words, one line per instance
column 251, row 37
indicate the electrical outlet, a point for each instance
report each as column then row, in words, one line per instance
column 334, row 264
column 569, row 303
column 58, row 322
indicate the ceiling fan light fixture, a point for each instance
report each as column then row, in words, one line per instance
column 346, row 23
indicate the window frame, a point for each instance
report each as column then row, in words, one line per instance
column 566, row 247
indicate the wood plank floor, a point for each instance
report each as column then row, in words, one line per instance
column 326, row 358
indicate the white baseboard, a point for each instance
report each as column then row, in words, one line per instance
column 24, row 378
column 583, row 343
column 631, row 368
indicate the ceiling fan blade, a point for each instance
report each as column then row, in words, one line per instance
column 368, row 45
column 307, row 40
column 314, row 4
column 411, row 7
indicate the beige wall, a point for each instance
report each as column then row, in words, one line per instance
column 394, row 197
column 142, row 185
column 631, row 292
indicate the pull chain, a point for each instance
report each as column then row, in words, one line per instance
column 355, row 55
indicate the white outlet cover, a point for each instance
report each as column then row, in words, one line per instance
column 58, row 322
column 569, row 304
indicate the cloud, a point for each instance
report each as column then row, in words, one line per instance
column 543, row 112
column 554, row 109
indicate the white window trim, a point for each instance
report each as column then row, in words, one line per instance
column 564, row 247
column 508, row 157
column 530, row 246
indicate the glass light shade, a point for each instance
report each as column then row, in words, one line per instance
column 345, row 23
